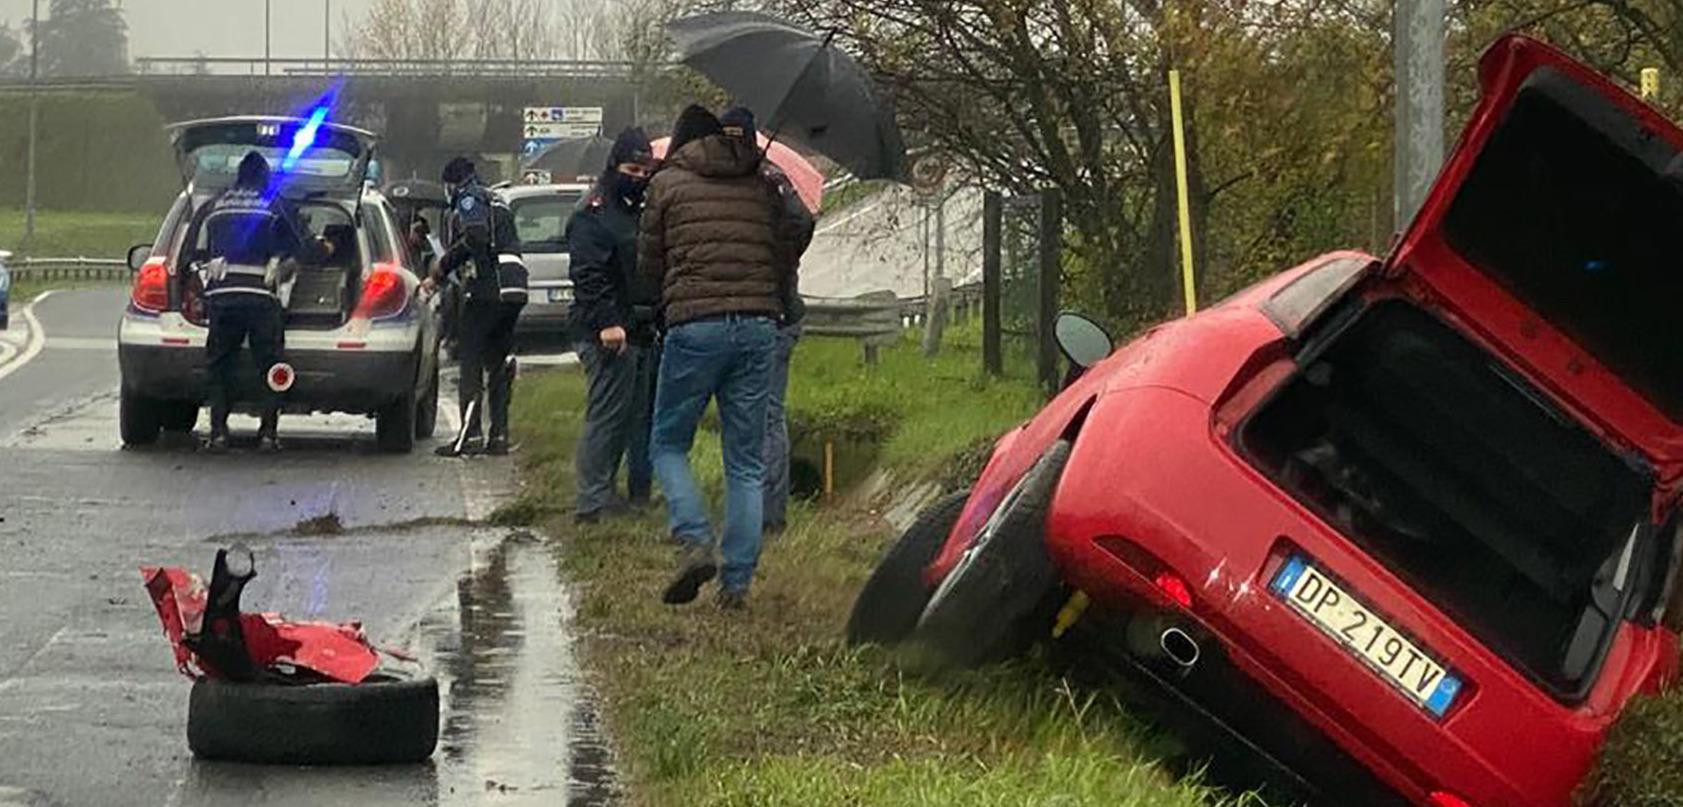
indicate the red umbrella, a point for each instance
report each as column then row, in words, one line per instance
column 808, row 180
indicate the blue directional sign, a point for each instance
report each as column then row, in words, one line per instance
column 532, row 148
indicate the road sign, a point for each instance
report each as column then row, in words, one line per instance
column 563, row 114
column 535, row 176
column 532, row 148
column 560, row 131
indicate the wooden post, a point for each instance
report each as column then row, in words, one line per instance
column 993, row 361
column 829, row 468
column 1051, row 259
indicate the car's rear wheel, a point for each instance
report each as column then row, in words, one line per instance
column 993, row 602
column 138, row 418
column 426, row 416
column 178, row 416
column 894, row 597
column 394, row 424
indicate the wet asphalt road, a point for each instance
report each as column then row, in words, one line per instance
column 92, row 711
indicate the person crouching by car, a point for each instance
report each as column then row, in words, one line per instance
column 709, row 237
column 485, row 253
column 250, row 230
column 612, row 317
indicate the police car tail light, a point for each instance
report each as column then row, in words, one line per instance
column 384, row 294
column 151, row 286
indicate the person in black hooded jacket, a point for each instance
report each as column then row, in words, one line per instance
column 613, row 319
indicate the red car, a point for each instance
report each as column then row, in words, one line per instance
column 1405, row 526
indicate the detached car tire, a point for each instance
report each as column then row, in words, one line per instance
column 990, row 605
column 892, row 600
column 372, row 723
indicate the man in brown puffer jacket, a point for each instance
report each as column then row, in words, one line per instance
column 709, row 238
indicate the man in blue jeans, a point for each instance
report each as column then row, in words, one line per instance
column 709, row 236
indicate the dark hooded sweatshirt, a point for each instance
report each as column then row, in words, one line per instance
column 709, row 236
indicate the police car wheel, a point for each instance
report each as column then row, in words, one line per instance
column 138, row 419
column 379, row 721
column 426, row 417
column 394, row 425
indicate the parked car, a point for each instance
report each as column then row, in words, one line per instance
column 1408, row 527
column 358, row 336
column 5, row 291
column 540, row 216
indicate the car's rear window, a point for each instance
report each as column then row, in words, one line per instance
column 542, row 221
column 1574, row 208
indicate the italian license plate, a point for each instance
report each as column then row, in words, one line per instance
column 560, row 295
column 1365, row 635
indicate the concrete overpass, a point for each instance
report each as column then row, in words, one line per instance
column 426, row 110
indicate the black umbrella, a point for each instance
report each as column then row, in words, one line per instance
column 572, row 160
column 799, row 86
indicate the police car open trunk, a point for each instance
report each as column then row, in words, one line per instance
column 1492, row 416
column 320, row 168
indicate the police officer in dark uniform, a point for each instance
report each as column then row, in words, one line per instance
column 485, row 255
column 613, row 319
column 249, row 230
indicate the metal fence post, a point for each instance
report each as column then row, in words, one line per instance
column 993, row 361
column 1051, row 259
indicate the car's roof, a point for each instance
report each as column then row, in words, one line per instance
column 514, row 192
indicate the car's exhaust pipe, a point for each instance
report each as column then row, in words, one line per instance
column 1180, row 647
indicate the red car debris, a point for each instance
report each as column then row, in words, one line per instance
column 270, row 690
column 1406, row 527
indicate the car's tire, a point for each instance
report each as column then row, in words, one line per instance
column 394, row 424
column 178, row 416
column 990, row 605
column 426, row 415
column 893, row 598
column 374, row 722
column 138, row 419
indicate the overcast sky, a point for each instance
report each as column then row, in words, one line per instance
column 216, row 27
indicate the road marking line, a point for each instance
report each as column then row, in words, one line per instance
column 37, row 337
column 6, row 352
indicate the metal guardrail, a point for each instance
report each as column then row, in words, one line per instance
column 35, row 269
column 880, row 318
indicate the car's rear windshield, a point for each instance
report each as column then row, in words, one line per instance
column 541, row 221
column 1575, row 209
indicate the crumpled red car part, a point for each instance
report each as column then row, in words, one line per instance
column 335, row 651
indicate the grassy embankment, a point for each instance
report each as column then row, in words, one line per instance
column 70, row 234
column 769, row 706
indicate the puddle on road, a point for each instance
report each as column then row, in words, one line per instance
column 520, row 726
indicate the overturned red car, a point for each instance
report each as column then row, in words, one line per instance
column 1405, row 527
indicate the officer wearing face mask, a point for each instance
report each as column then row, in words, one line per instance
column 613, row 319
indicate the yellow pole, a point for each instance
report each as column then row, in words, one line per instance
column 1650, row 83
column 829, row 468
column 1180, row 184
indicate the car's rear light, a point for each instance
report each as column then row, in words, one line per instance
column 151, row 286
column 384, row 294
column 1174, row 588
column 1442, row 799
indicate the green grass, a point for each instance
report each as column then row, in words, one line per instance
column 768, row 706
column 70, row 234
column 1642, row 763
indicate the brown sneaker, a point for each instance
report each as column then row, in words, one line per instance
column 696, row 566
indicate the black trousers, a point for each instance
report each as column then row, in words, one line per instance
column 236, row 319
column 617, row 415
column 486, row 340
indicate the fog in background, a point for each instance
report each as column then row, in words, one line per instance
column 217, row 27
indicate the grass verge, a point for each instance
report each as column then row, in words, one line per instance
column 768, row 706
column 72, row 234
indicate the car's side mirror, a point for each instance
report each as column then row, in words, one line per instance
column 1083, row 341
column 138, row 255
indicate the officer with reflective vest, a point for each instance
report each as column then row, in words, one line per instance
column 485, row 254
column 250, row 230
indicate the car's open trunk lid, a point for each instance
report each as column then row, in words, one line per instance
column 1553, row 232
column 306, row 154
